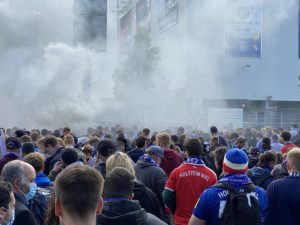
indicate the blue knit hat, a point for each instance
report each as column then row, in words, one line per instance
column 235, row 161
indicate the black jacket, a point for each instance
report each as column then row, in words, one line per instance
column 23, row 215
column 147, row 199
column 135, row 154
column 126, row 212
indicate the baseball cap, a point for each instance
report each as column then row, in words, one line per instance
column 155, row 150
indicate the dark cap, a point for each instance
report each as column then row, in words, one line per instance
column 13, row 143
column 106, row 148
column 27, row 148
column 155, row 150
column 19, row 133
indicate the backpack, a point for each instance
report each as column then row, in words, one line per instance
column 241, row 207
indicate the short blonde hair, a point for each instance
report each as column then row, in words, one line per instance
column 293, row 157
column 119, row 159
column 163, row 139
column 69, row 140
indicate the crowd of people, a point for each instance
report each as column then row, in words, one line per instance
column 120, row 176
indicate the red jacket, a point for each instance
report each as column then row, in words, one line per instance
column 171, row 161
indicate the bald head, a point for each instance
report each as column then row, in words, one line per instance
column 18, row 173
column 293, row 158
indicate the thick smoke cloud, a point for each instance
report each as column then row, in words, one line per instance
column 42, row 73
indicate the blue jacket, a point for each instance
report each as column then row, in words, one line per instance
column 283, row 202
column 42, row 180
column 207, row 207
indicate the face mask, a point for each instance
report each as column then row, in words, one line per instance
column 32, row 191
column 12, row 218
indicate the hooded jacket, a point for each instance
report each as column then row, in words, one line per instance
column 260, row 176
column 170, row 161
column 126, row 212
column 152, row 177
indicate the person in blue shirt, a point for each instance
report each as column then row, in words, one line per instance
column 210, row 206
column 284, row 194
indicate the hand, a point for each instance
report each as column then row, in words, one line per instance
column 58, row 166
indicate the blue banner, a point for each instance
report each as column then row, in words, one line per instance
column 243, row 28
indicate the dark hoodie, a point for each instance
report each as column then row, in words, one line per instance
column 170, row 161
column 152, row 177
column 126, row 212
column 260, row 176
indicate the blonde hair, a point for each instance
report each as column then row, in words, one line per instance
column 69, row 140
column 120, row 159
column 60, row 142
column 293, row 157
column 163, row 139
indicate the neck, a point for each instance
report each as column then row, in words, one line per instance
column 69, row 220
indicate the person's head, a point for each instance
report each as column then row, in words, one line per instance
column 214, row 141
column 241, row 142
column 293, row 157
column 286, row 136
column 13, row 145
column 140, row 142
column 155, row 152
column 219, row 154
column 119, row 183
column 37, row 160
column 69, row 140
column 275, row 138
column 66, row 131
column 87, row 151
column 69, row 156
column 146, row 132
column 193, row 147
column 163, row 140
column 34, row 137
column 105, row 149
column 235, row 162
column 254, row 153
column 267, row 160
column 24, row 139
column 50, row 144
column 78, row 192
column 266, row 143
column 21, row 175
column 180, row 131
column 119, row 159
column 174, row 139
column 214, row 130
column 7, row 203
column 19, row 133
column 27, row 148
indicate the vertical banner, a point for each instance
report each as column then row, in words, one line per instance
column 142, row 11
column 125, row 32
column 167, row 14
column 243, row 28
column 90, row 23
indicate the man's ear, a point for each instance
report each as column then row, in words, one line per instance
column 16, row 183
column 131, row 196
column 58, row 208
column 99, row 207
column 2, row 213
column 288, row 167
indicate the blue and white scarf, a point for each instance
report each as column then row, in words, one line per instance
column 194, row 160
column 236, row 180
column 148, row 159
column 295, row 174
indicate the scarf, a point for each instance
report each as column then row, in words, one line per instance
column 236, row 180
column 148, row 159
column 295, row 174
column 194, row 160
